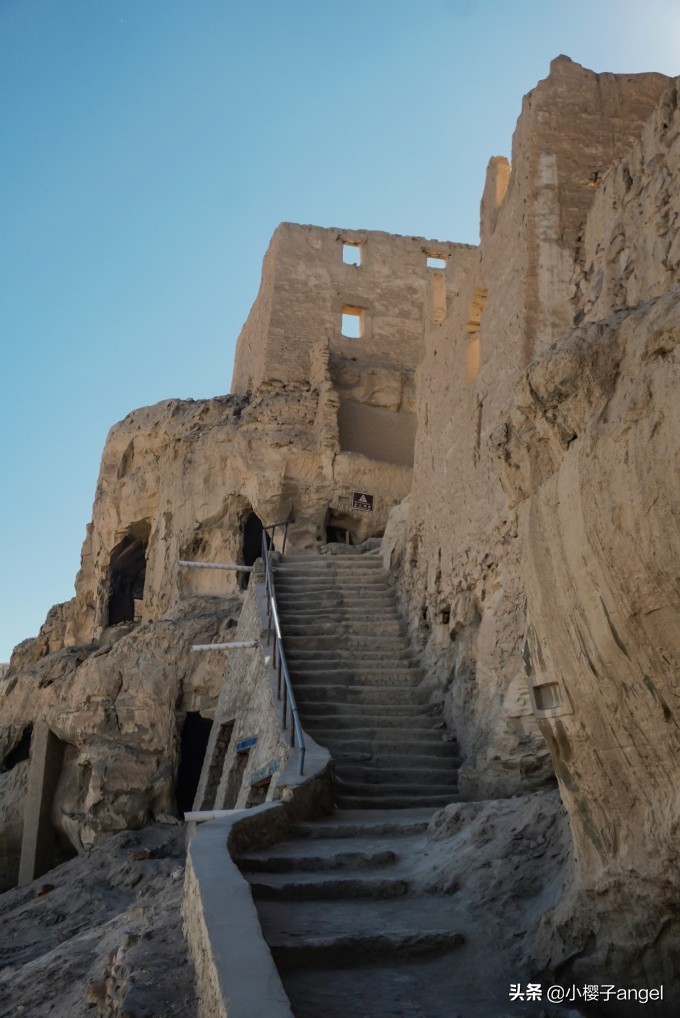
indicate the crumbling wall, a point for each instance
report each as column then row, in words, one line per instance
column 305, row 287
column 458, row 561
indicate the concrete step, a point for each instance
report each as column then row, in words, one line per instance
column 404, row 776
column 388, row 787
column 317, row 951
column 295, row 857
column 335, row 601
column 379, row 603
column 421, row 912
column 377, row 614
column 357, row 694
column 377, row 736
column 395, row 801
column 429, row 741
column 340, row 630
column 297, row 582
column 304, row 674
column 310, row 887
column 329, row 641
column 404, row 711
column 348, row 715
column 339, row 727
column 432, row 759
column 385, row 663
column 391, row 824
column 340, row 654
column 348, row 577
column 323, row 562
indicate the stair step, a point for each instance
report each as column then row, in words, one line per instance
column 358, row 642
column 308, row 675
column 386, row 787
column 341, row 630
column 406, row 711
column 297, row 583
column 405, row 801
column 318, row 951
column 275, row 861
column 391, row 824
column 431, row 760
column 346, row 724
column 344, row 563
column 351, row 580
column 333, row 599
column 375, row 735
column 405, row 777
column 356, row 694
column 281, row 887
column 340, row 657
column 338, row 612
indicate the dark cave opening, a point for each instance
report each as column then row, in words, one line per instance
column 251, row 551
column 127, row 573
column 193, row 745
column 21, row 752
column 337, row 535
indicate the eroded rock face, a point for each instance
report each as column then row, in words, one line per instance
column 118, row 707
column 102, row 935
column 588, row 453
column 590, row 456
column 458, row 559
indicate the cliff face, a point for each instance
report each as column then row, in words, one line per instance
column 458, row 558
column 589, row 453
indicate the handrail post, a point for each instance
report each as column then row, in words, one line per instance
column 285, row 693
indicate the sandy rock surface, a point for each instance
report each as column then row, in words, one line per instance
column 117, row 705
column 101, row 935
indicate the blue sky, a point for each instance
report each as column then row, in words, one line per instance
column 151, row 147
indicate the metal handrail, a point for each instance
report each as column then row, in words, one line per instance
column 285, row 687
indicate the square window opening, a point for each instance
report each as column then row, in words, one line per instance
column 352, row 322
column 351, row 254
column 436, row 262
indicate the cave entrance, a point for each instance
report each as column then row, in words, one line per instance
column 252, row 529
column 336, row 529
column 338, row 535
column 127, row 573
column 21, row 751
column 193, row 744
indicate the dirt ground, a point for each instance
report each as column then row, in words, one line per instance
column 101, row 935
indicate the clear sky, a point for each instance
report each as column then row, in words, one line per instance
column 151, row 147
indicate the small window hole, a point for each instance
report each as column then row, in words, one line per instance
column 435, row 262
column 352, row 322
column 351, row 254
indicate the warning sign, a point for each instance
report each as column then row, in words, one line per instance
column 362, row 501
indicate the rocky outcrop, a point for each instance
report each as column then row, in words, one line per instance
column 587, row 456
column 118, row 707
column 101, row 935
column 587, row 453
column 458, row 560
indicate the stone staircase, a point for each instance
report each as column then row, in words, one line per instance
column 346, row 930
column 356, row 682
